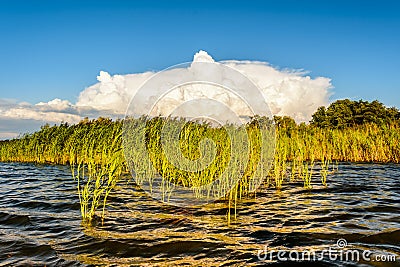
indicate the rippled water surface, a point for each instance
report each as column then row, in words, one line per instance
column 40, row 222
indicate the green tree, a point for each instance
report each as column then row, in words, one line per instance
column 319, row 118
column 347, row 113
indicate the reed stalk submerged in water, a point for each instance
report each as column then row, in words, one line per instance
column 93, row 148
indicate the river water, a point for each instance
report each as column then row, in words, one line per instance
column 40, row 224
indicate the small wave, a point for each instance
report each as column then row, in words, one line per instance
column 14, row 219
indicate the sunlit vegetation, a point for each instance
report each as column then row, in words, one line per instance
column 307, row 153
column 213, row 162
column 347, row 113
column 92, row 148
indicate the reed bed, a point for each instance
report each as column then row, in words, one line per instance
column 93, row 149
column 211, row 162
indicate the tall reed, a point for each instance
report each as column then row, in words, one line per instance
column 93, row 149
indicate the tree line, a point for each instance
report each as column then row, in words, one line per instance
column 346, row 113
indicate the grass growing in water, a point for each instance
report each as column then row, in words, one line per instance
column 93, row 150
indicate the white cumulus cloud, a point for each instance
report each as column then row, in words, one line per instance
column 112, row 93
column 287, row 92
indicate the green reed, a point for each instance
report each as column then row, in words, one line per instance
column 93, row 149
column 194, row 155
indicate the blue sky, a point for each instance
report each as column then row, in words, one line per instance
column 54, row 49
